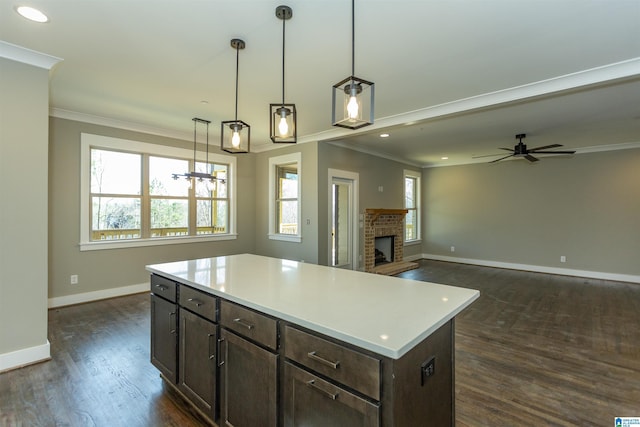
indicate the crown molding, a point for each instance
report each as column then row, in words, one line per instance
column 27, row 56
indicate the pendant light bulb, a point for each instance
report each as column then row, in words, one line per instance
column 352, row 107
column 235, row 138
column 283, row 126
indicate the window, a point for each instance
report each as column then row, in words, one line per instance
column 412, row 204
column 284, row 197
column 129, row 197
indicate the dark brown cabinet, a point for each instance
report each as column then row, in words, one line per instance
column 198, row 342
column 249, row 378
column 312, row 402
column 242, row 367
column 164, row 325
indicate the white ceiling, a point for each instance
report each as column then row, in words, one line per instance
column 452, row 78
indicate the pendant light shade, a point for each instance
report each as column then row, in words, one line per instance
column 200, row 176
column 283, row 117
column 235, row 135
column 353, row 97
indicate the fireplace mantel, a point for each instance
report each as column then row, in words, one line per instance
column 375, row 213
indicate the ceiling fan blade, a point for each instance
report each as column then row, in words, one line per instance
column 545, row 147
column 487, row 155
column 554, row 152
column 508, row 149
column 502, row 158
column 530, row 158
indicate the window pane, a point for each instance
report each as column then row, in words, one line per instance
column 409, row 192
column 115, row 218
column 169, row 217
column 161, row 182
column 410, row 225
column 207, row 188
column 114, row 172
column 287, row 182
column 288, row 217
column 212, row 216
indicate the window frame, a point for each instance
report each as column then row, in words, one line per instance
column 418, row 208
column 274, row 163
column 89, row 141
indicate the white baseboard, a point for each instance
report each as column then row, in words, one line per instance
column 26, row 356
column 539, row 268
column 97, row 295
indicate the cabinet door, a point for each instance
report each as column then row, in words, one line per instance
column 198, row 341
column 312, row 402
column 164, row 339
column 249, row 383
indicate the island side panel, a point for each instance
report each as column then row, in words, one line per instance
column 411, row 397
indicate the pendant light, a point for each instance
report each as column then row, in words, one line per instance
column 352, row 97
column 201, row 176
column 283, row 116
column 235, row 134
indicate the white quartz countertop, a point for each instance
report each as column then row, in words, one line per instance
column 387, row 315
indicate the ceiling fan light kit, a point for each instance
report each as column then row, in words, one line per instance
column 520, row 150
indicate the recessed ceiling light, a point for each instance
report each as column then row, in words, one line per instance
column 384, row 135
column 444, row 158
column 32, row 14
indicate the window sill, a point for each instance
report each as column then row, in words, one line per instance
column 136, row 243
column 286, row 238
column 412, row 242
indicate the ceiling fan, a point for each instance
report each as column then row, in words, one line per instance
column 521, row 150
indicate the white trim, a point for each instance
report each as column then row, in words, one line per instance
column 156, row 241
column 286, row 237
column 27, row 56
column 277, row 161
column 98, row 295
column 88, row 140
column 539, row 268
column 354, row 177
column 26, row 356
column 598, row 75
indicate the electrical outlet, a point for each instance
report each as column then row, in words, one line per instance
column 427, row 370
column 74, row 279
column 453, row 248
column 563, row 258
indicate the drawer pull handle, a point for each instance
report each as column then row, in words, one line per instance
column 197, row 302
column 239, row 321
column 314, row 356
column 313, row 385
column 162, row 287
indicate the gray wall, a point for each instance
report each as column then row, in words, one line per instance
column 586, row 207
column 373, row 172
column 306, row 250
column 112, row 268
column 24, row 109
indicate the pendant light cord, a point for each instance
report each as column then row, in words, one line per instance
column 353, row 37
column 237, row 67
column 194, row 143
column 283, row 21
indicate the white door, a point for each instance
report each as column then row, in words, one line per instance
column 343, row 219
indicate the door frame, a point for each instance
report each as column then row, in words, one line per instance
column 354, row 178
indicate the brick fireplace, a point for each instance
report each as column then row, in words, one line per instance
column 382, row 223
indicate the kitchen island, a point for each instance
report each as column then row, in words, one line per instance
column 253, row 340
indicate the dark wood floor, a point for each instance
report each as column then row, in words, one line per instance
column 533, row 350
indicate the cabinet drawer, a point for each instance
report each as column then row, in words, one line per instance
column 163, row 287
column 249, row 323
column 311, row 401
column 349, row 367
column 198, row 302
